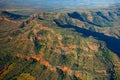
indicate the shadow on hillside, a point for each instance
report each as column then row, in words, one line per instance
column 102, row 15
column 13, row 16
column 76, row 15
column 112, row 43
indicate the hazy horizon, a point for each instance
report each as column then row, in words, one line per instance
column 55, row 4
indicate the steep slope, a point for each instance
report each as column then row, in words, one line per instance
column 60, row 46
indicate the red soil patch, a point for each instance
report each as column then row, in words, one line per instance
column 45, row 63
column 61, row 45
column 37, row 58
column 38, row 38
column 72, row 46
column 78, row 76
column 64, row 69
column 52, row 69
column 3, row 73
column 19, row 56
column 93, row 47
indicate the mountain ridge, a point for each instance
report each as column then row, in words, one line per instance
column 75, row 45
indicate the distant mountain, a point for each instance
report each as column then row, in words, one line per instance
column 55, row 4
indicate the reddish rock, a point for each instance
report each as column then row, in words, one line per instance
column 37, row 58
column 61, row 45
column 72, row 46
column 52, row 69
column 45, row 63
column 93, row 47
column 78, row 76
column 38, row 38
column 64, row 69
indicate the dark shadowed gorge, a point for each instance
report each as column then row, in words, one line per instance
column 111, row 42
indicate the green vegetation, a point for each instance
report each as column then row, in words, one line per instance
column 38, row 48
column 67, row 60
column 25, row 76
